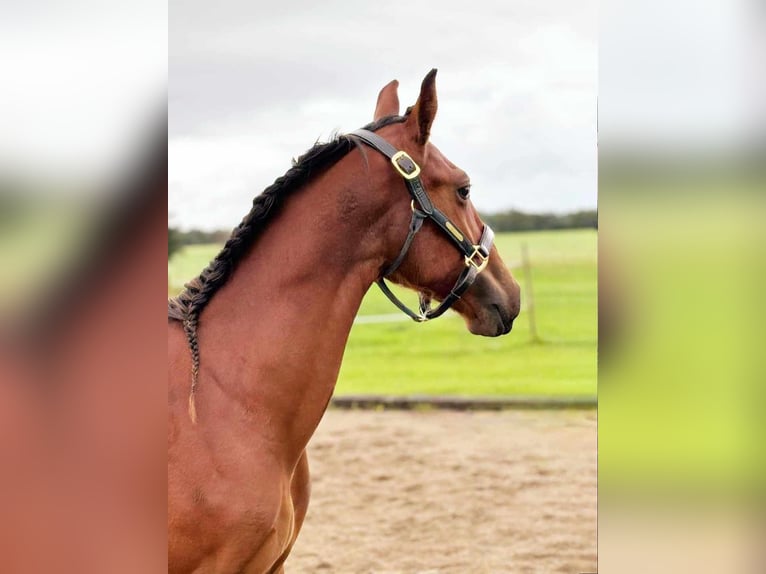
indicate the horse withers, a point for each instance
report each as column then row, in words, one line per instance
column 256, row 341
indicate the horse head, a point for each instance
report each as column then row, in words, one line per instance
column 448, row 254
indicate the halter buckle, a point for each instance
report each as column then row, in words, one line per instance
column 483, row 259
column 409, row 163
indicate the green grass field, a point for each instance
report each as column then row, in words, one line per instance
column 442, row 357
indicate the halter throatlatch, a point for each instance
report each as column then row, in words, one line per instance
column 476, row 256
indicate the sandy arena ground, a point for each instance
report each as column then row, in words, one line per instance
column 441, row 491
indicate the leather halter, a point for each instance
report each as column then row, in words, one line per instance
column 476, row 256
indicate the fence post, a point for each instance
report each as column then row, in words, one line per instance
column 529, row 298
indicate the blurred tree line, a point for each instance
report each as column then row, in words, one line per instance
column 511, row 220
column 177, row 238
column 514, row 220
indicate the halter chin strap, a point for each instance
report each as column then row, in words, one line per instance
column 476, row 256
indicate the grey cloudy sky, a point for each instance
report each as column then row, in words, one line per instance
column 253, row 84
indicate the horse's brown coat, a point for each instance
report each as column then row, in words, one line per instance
column 272, row 341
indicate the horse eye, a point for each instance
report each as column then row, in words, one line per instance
column 464, row 192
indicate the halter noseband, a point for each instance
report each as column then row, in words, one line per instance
column 476, row 256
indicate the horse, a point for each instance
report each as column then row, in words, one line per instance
column 256, row 341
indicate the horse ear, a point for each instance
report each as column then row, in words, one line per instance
column 424, row 110
column 388, row 101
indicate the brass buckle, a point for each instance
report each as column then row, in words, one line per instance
column 470, row 259
column 403, row 154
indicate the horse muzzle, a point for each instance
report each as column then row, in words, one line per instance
column 491, row 306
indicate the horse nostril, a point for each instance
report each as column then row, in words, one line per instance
column 505, row 318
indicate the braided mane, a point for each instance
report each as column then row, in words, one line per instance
column 187, row 306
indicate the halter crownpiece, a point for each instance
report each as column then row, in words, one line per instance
column 476, row 256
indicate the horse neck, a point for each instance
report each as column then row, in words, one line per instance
column 272, row 338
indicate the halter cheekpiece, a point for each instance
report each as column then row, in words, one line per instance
column 476, row 256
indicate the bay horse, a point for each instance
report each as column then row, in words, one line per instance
column 256, row 341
